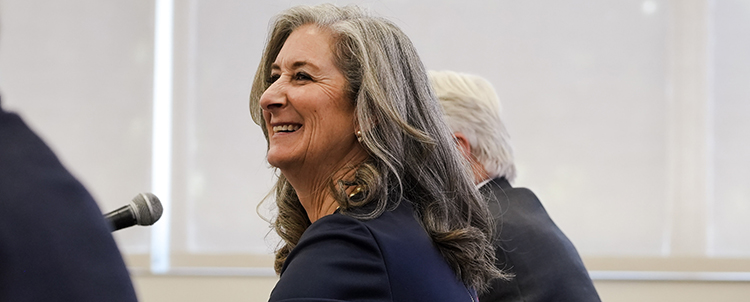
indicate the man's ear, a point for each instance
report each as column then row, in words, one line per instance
column 462, row 143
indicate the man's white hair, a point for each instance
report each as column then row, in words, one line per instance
column 471, row 106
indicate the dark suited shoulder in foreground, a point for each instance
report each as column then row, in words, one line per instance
column 54, row 242
column 530, row 245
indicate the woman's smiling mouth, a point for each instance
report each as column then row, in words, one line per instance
column 286, row 128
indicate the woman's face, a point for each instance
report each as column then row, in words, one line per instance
column 308, row 117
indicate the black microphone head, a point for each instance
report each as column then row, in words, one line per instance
column 146, row 208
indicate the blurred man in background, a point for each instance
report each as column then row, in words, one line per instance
column 528, row 244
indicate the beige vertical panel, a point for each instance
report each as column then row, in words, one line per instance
column 689, row 137
column 729, row 231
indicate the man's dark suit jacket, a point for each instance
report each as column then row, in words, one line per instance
column 389, row 258
column 54, row 243
column 546, row 265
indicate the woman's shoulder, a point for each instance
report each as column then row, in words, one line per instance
column 337, row 226
column 395, row 223
column 336, row 258
column 380, row 258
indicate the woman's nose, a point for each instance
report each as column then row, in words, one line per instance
column 273, row 98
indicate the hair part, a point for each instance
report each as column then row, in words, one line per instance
column 411, row 149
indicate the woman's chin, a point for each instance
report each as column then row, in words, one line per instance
column 281, row 162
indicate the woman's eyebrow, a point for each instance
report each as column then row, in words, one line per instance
column 295, row 65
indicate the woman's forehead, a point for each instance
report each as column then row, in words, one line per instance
column 308, row 45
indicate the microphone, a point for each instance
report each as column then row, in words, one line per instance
column 144, row 209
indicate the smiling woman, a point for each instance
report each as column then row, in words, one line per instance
column 374, row 203
column 309, row 118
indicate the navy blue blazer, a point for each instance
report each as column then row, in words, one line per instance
column 54, row 242
column 530, row 245
column 389, row 258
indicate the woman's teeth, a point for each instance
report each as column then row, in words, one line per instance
column 285, row 128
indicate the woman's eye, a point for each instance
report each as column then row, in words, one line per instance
column 272, row 78
column 301, row 76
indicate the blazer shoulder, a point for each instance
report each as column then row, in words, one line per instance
column 337, row 258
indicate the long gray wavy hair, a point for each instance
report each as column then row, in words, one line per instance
column 412, row 154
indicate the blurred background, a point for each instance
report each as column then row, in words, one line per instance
column 628, row 119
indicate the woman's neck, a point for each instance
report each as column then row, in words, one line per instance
column 316, row 200
column 312, row 184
